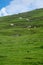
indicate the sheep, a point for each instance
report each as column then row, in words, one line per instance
column 20, row 17
column 29, row 26
column 27, row 19
column 11, row 24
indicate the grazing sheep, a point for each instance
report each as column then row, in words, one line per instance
column 27, row 19
column 29, row 26
column 11, row 24
column 35, row 27
column 20, row 17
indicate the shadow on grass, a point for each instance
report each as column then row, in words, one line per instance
column 32, row 63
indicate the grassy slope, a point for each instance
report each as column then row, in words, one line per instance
column 20, row 45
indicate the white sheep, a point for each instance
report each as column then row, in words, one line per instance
column 29, row 26
column 27, row 19
column 11, row 24
column 20, row 17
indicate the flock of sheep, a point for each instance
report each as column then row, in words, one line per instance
column 19, row 18
column 30, row 26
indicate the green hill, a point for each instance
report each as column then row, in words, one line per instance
column 21, row 38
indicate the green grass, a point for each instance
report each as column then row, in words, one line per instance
column 19, row 44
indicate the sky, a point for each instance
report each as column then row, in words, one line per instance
column 10, row 7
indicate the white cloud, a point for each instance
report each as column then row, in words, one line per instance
column 3, row 12
column 39, row 3
column 18, row 6
column 0, row 13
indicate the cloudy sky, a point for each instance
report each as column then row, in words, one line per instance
column 9, row 7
